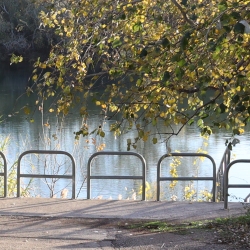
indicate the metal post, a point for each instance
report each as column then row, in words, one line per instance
column 4, row 174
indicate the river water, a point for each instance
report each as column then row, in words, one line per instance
column 46, row 132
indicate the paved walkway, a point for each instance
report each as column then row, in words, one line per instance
column 38, row 223
column 112, row 209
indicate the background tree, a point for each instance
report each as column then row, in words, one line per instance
column 20, row 31
column 148, row 61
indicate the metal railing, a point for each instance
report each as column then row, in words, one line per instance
column 227, row 186
column 159, row 178
column 222, row 167
column 55, row 152
column 247, row 199
column 220, row 173
column 142, row 177
column 4, row 174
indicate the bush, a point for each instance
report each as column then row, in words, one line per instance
column 19, row 28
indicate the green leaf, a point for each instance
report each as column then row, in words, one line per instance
column 165, row 43
column 247, row 98
column 190, row 122
column 15, row 59
column 46, row 75
column 102, row 134
column 141, row 133
column 166, row 76
column 236, row 98
column 223, row 108
column 184, row 2
column 26, row 110
column 200, row 123
column 123, row 16
column 222, row 5
column 66, row 90
column 137, row 27
column 235, row 15
column 182, row 62
column 155, row 140
column 154, row 121
column 204, row 115
column 236, row 131
column 184, row 41
column 116, row 43
column 176, row 57
column 239, row 28
column 179, row 73
column 143, row 53
column 240, row 108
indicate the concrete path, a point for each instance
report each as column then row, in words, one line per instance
column 38, row 223
column 95, row 209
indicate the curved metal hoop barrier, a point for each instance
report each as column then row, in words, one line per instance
column 221, row 172
column 142, row 177
column 227, row 186
column 4, row 174
column 159, row 178
column 49, row 152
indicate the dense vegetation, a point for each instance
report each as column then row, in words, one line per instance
column 20, row 31
column 157, row 61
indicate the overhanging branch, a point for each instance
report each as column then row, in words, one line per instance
column 184, row 14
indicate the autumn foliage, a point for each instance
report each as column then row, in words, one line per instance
column 146, row 62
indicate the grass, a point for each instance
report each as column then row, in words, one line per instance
column 230, row 231
column 233, row 231
column 162, row 226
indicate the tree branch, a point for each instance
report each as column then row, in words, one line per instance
column 184, row 14
column 96, row 74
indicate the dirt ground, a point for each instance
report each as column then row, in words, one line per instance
column 19, row 232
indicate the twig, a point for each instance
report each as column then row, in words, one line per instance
column 184, row 14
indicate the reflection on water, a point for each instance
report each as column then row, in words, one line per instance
column 26, row 135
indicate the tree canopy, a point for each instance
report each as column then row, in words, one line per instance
column 148, row 61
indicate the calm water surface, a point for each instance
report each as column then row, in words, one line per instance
column 47, row 133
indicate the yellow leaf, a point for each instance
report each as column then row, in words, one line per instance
column 83, row 111
column 46, row 75
column 34, row 77
column 42, row 65
column 26, row 110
